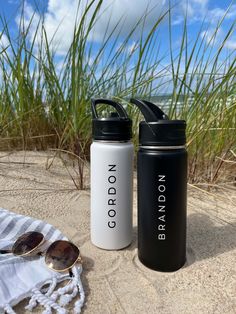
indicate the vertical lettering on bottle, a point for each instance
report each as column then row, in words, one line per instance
column 161, row 236
column 111, row 213
column 111, row 224
column 112, row 190
column 112, row 167
column 162, row 218
column 112, row 179
column 161, row 213
column 112, row 201
column 162, row 209
column 161, row 188
column 162, row 178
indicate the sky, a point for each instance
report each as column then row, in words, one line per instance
column 60, row 17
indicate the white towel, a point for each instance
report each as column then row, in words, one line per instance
column 22, row 277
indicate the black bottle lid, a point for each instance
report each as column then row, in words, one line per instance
column 116, row 127
column 157, row 129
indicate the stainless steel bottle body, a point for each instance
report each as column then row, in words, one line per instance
column 111, row 194
column 162, row 188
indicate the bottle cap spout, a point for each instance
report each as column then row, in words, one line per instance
column 150, row 111
column 157, row 129
column 116, row 127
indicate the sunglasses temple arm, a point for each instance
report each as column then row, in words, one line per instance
column 5, row 251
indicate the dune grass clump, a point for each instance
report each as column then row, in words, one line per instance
column 46, row 106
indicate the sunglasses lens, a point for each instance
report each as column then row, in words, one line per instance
column 27, row 243
column 61, row 255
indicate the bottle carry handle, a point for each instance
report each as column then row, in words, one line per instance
column 150, row 111
column 120, row 110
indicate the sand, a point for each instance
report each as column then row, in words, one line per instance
column 115, row 281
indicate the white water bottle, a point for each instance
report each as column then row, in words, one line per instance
column 111, row 178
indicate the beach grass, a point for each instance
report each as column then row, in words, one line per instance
column 45, row 102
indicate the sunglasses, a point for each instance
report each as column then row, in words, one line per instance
column 60, row 256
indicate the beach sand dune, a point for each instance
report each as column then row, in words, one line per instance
column 39, row 185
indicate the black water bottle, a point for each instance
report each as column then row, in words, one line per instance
column 162, row 189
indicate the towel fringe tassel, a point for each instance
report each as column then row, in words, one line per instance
column 42, row 299
column 8, row 309
column 64, row 294
column 52, row 287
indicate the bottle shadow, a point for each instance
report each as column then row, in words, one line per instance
column 205, row 238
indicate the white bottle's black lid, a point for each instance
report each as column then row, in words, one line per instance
column 116, row 127
column 157, row 129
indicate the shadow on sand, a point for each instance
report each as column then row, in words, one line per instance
column 205, row 238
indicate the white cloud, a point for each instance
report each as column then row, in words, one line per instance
column 4, row 42
column 219, row 13
column 198, row 10
column 214, row 38
column 195, row 9
column 128, row 14
column 133, row 47
column 231, row 44
column 61, row 16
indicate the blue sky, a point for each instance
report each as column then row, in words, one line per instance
column 62, row 12
column 59, row 19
